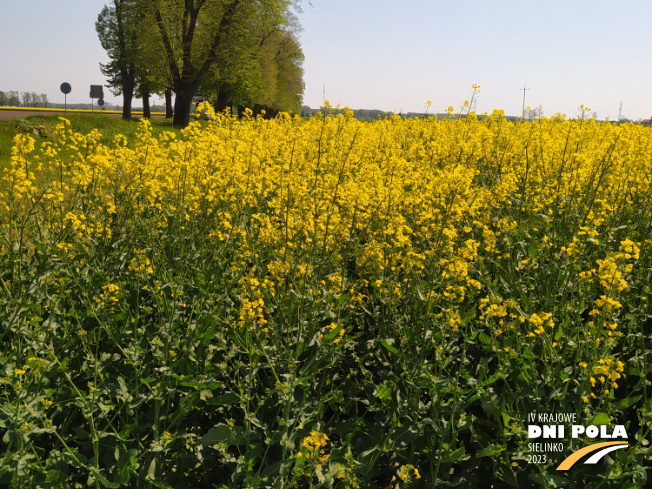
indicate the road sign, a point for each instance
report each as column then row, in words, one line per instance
column 100, row 102
column 65, row 89
column 96, row 91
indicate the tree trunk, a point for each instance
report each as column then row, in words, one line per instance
column 222, row 102
column 186, row 76
column 169, row 111
column 127, row 97
column 147, row 113
column 183, row 102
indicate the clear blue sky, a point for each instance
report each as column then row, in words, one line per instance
column 394, row 55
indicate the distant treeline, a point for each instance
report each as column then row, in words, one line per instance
column 363, row 114
column 373, row 114
column 23, row 99
column 32, row 99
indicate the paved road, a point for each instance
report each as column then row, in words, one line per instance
column 8, row 114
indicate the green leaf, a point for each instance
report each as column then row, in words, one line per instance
column 493, row 378
column 123, row 390
column 232, row 435
column 560, row 333
column 63, row 366
column 549, row 480
column 389, row 347
column 383, row 392
column 627, row 402
column 455, row 456
column 490, row 407
column 533, row 250
column 106, row 483
column 205, row 385
column 367, row 453
column 485, row 339
column 151, row 470
column 405, row 435
column 74, row 458
column 600, row 419
column 282, row 467
column 224, row 399
column 527, row 354
column 490, row 451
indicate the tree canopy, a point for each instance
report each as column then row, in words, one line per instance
column 117, row 27
column 240, row 52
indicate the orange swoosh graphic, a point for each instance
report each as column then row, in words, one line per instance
column 575, row 456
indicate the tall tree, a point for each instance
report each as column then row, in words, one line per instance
column 27, row 99
column 263, row 70
column 282, row 66
column 236, row 79
column 194, row 32
column 153, row 71
column 117, row 28
column 14, row 100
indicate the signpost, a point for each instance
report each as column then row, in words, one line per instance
column 96, row 92
column 65, row 89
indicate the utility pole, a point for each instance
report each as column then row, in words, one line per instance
column 524, row 89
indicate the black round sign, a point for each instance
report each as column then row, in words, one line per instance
column 100, row 102
column 66, row 88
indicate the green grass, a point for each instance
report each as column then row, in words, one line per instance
column 41, row 126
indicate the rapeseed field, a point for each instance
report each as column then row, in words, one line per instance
column 295, row 303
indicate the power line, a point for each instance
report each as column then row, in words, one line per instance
column 524, row 90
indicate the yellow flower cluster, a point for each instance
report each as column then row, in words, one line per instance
column 611, row 277
column 505, row 313
column 140, row 264
column 413, row 193
column 253, row 308
column 109, row 296
column 608, row 371
column 405, row 472
column 315, row 441
column 539, row 321
column 340, row 334
column 343, row 214
column 36, row 363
